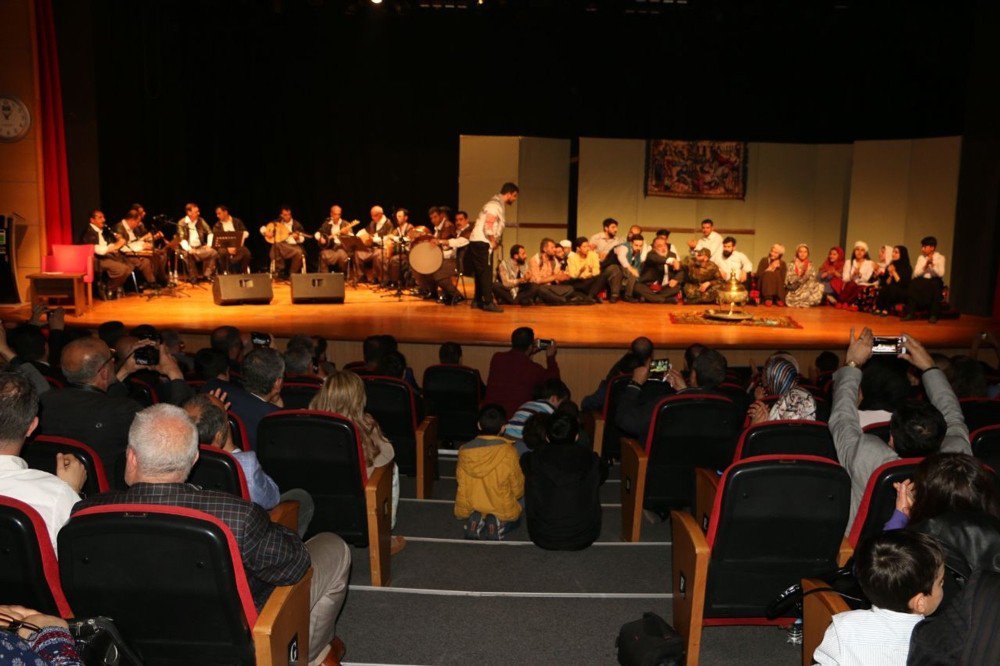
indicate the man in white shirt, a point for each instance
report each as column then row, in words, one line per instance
column 51, row 496
column 710, row 239
column 106, row 250
column 332, row 252
column 372, row 235
column 927, row 286
column 486, row 236
column 606, row 242
column 290, row 249
column 731, row 259
column 195, row 240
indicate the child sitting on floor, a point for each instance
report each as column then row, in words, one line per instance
column 902, row 574
column 490, row 481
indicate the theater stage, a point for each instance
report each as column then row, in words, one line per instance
column 590, row 337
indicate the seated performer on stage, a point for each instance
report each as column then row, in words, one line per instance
column 771, row 272
column 193, row 233
column 830, row 275
column 710, row 239
column 234, row 255
column 606, row 242
column 393, row 265
column 286, row 236
column 366, row 260
column 802, row 288
column 731, row 259
column 544, row 271
column 858, row 274
column 106, row 247
column 589, row 278
column 661, row 278
column 445, row 277
column 702, row 279
column 631, row 256
column 894, row 282
column 927, row 285
column 513, row 285
column 328, row 237
column 463, row 229
column 138, row 249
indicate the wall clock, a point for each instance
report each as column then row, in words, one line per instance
column 15, row 119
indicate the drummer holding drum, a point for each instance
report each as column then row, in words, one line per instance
column 433, row 258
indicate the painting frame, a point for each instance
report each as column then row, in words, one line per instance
column 683, row 169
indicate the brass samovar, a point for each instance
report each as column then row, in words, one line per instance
column 732, row 293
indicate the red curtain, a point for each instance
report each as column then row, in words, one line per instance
column 58, row 222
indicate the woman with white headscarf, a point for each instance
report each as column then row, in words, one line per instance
column 803, row 288
column 771, row 273
column 858, row 273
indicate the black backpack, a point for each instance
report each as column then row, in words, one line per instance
column 650, row 642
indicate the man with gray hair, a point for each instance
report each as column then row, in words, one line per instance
column 162, row 449
column 263, row 372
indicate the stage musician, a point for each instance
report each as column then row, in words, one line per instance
column 332, row 252
column 379, row 227
column 193, row 233
column 290, row 249
column 138, row 249
column 446, row 237
column 392, row 265
column 106, row 247
column 235, row 259
column 486, row 236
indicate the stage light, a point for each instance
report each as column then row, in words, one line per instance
column 376, row 2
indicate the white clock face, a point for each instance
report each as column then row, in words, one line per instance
column 15, row 120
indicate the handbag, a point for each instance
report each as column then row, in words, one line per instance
column 650, row 641
column 99, row 643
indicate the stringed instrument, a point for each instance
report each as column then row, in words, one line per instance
column 277, row 232
column 345, row 230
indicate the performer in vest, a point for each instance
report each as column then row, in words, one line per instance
column 235, row 259
column 372, row 235
column 193, row 233
column 138, row 250
column 631, row 256
column 290, row 249
column 486, row 236
column 513, row 285
column 444, row 278
column 392, row 266
column 106, row 247
column 332, row 252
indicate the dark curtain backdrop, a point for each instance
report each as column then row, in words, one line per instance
column 257, row 103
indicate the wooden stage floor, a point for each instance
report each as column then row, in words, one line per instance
column 597, row 326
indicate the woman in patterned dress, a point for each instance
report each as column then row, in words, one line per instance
column 780, row 378
column 804, row 288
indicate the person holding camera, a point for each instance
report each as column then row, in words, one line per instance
column 513, row 376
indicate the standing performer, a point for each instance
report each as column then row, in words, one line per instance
column 287, row 235
column 486, row 235
column 234, row 258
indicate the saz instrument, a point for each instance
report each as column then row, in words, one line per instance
column 277, row 232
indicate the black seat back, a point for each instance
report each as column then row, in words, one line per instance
column 319, row 452
column 778, row 519
column 986, row 445
column 451, row 393
column 29, row 572
column 298, row 395
column 40, row 453
column 688, row 430
column 803, row 438
column 980, row 412
column 880, row 430
column 736, row 393
column 219, row 470
column 612, row 447
column 239, row 430
column 395, row 407
column 171, row 578
column 879, row 500
column 141, row 391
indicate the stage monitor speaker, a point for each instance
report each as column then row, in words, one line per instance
column 253, row 289
column 318, row 288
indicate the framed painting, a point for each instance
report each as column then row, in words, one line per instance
column 696, row 169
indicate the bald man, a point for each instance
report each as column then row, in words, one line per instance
column 328, row 237
column 372, row 235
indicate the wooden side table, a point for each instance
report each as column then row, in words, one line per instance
column 59, row 285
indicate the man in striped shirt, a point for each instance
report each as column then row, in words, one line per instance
column 551, row 394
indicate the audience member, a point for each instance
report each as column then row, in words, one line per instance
column 51, row 496
column 263, row 373
column 298, row 359
column 40, row 639
column 780, row 378
column 30, row 345
column 162, row 449
column 826, row 364
column 212, row 367
column 902, row 574
column 110, row 331
column 639, row 351
column 561, row 481
column 551, row 394
column 916, row 429
column 513, row 376
column 884, row 388
column 967, row 377
column 490, row 482
column 228, row 340
column 171, row 339
column 450, row 353
column 965, row 630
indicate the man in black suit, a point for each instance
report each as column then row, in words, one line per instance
column 660, row 263
column 262, row 376
column 234, row 258
column 94, row 407
column 30, row 345
column 107, row 252
column 289, row 249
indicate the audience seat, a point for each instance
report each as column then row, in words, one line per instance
column 40, row 453
column 219, row 470
column 321, row 453
column 54, row 383
column 758, row 542
column 173, row 580
column 807, row 438
column 29, row 572
column 298, row 395
column 607, row 436
column 980, row 412
column 399, row 413
column 453, row 394
column 687, row 431
column 880, row 430
column 239, row 431
column 141, row 391
column 738, row 394
column 818, row 609
column 986, row 445
column 879, row 500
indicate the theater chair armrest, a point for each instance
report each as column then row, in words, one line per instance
column 427, row 451
column 689, row 575
column 706, row 485
column 818, row 610
column 378, row 497
column 845, row 552
column 286, row 513
column 282, row 628
column 634, row 461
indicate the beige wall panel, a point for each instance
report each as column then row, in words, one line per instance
column 484, row 164
column 18, row 163
column 879, row 193
column 543, row 177
column 933, row 194
column 610, row 183
column 832, row 197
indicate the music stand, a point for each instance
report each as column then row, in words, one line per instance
column 351, row 244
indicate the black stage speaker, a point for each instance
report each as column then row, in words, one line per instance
column 252, row 289
column 318, row 288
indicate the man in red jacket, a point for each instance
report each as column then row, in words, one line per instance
column 514, row 376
